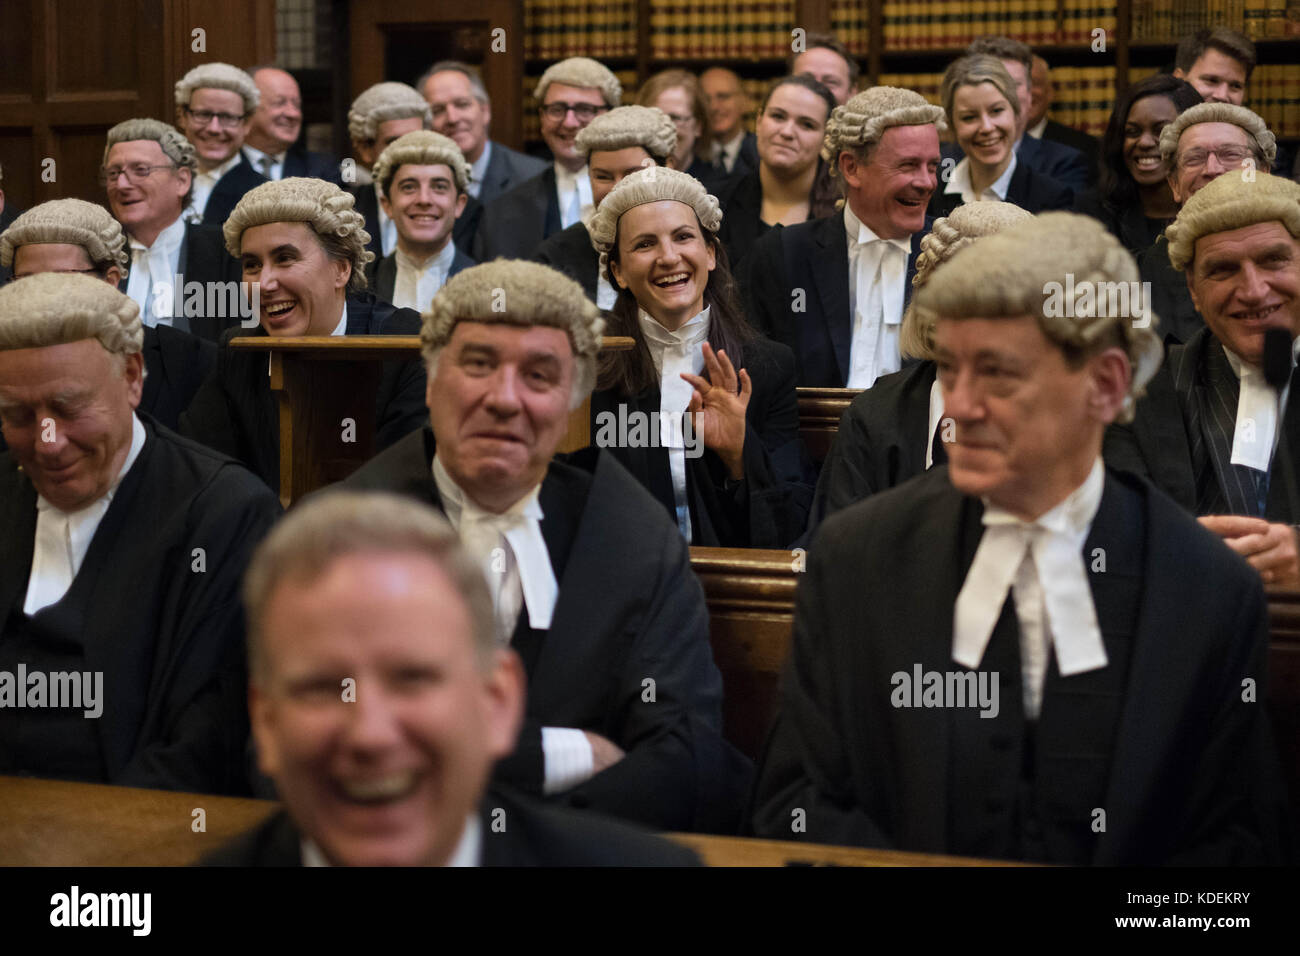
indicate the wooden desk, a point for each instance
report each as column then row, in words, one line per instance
column 820, row 410
column 316, row 381
column 56, row 823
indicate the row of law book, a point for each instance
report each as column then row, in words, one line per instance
column 1158, row 21
column 718, row 29
column 1273, row 92
column 951, row 24
column 555, row 29
column 851, row 22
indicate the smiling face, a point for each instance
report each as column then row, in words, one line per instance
column 457, row 113
column 214, row 142
column 677, row 103
column 1246, row 281
column 664, row 260
column 607, row 168
column 390, row 777
column 1141, row 146
column 889, row 194
column 66, row 414
column 1217, row 77
column 301, row 289
column 423, row 203
column 277, row 121
column 985, row 125
column 828, row 68
column 790, row 130
column 498, row 400
column 147, row 207
column 560, row 133
column 1028, row 426
column 1205, row 138
column 726, row 99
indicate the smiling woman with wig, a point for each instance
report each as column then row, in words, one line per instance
column 729, row 476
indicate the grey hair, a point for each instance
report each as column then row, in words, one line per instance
column 1262, row 142
column 55, row 308
column 456, row 66
column 170, row 140
column 73, row 222
column 584, row 73
column 218, row 76
column 384, row 102
column 1231, row 202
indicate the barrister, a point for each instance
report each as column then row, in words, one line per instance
column 272, row 141
column 591, row 582
column 376, row 589
column 834, row 289
column 72, row 236
column 1212, row 431
column 121, row 556
column 214, row 108
column 1120, row 733
column 302, row 242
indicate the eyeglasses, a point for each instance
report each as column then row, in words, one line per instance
column 1230, row 157
column 204, row 117
column 584, row 111
column 135, row 173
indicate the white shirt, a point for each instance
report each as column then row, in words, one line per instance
column 1042, row 563
column 877, row 287
column 387, row 228
column 606, row 294
column 63, row 538
column 574, row 193
column 1037, row 130
column 153, row 274
column 674, row 353
column 936, row 419
column 269, row 165
column 729, row 151
column 204, row 183
column 478, row 169
column 960, row 182
column 417, row 281
column 1259, row 409
column 468, row 852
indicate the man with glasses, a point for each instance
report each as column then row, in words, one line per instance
column 214, row 108
column 148, row 173
column 1201, row 144
column 572, row 93
column 737, row 148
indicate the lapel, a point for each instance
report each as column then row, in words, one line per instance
column 1283, row 497
column 386, row 277
column 1018, row 191
column 1216, row 393
column 550, row 212
column 1161, row 434
column 914, row 419
column 830, row 270
column 459, row 263
column 911, row 259
column 18, row 540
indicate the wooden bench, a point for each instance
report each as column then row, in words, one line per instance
column 750, row 594
column 819, row 417
column 58, row 823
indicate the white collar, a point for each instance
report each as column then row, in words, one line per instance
column 468, row 852
column 440, row 262
column 859, row 233
column 167, row 241
column 691, row 332
column 1259, row 410
column 1036, row 131
column 960, row 181
column 936, row 416
column 342, row 327
column 732, row 146
column 257, row 155
column 478, row 168
column 565, row 180
column 227, row 166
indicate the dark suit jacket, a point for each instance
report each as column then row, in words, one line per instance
column 1089, row 146
column 516, row 222
column 1028, row 189
column 506, row 169
column 1128, row 224
column 382, row 274
column 1170, row 299
column 746, row 159
column 204, row 259
column 462, row 233
column 168, row 637
column 1186, row 454
column 1065, row 166
column 1192, row 778
column 236, row 413
column 177, row 364
column 629, row 608
column 741, row 198
column 299, row 161
column 812, row 256
column 570, row 251
column 534, row 835
column 230, row 189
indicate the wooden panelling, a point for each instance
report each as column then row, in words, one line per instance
column 94, row 47
column 16, row 49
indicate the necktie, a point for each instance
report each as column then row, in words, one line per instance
column 512, row 552
column 51, row 574
column 266, row 163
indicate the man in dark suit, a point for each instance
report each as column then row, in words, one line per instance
column 737, row 149
column 72, row 236
column 306, row 250
column 148, row 173
column 215, row 103
column 1039, row 126
column 1202, row 143
column 422, row 178
column 571, row 94
column 120, row 561
column 1025, row 675
column 591, row 580
column 1213, row 431
column 380, row 700
column 834, row 289
column 463, row 111
column 614, row 145
column 271, row 145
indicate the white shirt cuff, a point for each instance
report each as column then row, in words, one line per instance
column 566, row 757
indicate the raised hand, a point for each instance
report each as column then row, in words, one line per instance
column 718, row 408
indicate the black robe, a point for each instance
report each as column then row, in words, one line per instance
column 1030, row 190
column 163, row 624
column 769, row 506
column 235, row 411
column 229, row 189
column 570, row 251
column 1188, row 774
column 629, row 608
column 514, row 223
column 534, row 835
column 177, row 364
column 1170, row 299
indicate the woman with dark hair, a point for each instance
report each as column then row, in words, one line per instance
column 1133, row 200
column 729, row 471
column 791, row 183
